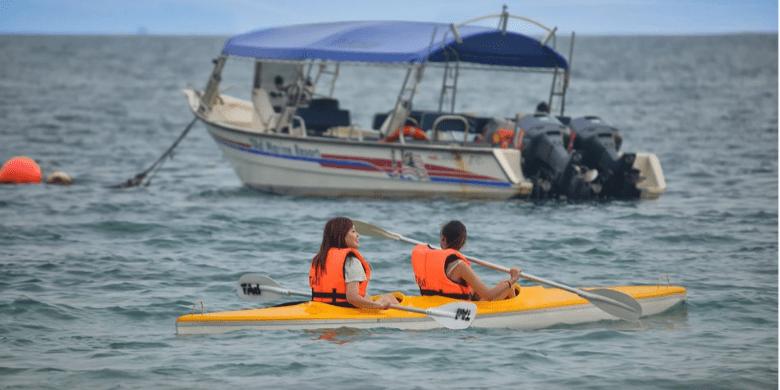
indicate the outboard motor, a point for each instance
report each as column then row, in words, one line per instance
column 598, row 143
column 555, row 173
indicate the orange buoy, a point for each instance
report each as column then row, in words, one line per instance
column 19, row 170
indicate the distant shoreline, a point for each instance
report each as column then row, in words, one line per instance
column 183, row 35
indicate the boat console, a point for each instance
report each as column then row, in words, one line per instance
column 322, row 114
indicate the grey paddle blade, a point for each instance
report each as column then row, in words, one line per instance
column 618, row 304
column 371, row 230
column 456, row 315
column 260, row 288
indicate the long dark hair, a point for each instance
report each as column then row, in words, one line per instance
column 334, row 236
column 454, row 233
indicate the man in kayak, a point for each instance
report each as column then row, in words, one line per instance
column 447, row 272
column 339, row 275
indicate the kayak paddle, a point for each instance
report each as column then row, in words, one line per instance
column 618, row 304
column 260, row 288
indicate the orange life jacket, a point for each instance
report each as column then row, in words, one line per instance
column 428, row 265
column 331, row 286
column 506, row 136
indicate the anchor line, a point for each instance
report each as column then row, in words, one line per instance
column 139, row 178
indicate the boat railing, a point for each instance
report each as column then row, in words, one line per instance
column 298, row 131
column 559, row 84
column 425, row 119
column 450, row 123
column 503, row 22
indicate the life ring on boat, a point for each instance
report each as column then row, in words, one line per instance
column 409, row 131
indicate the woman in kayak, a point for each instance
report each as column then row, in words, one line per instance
column 339, row 275
column 447, row 272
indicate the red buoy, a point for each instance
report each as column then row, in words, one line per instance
column 19, row 170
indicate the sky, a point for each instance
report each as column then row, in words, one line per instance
column 229, row 17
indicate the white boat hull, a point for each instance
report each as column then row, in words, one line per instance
column 303, row 166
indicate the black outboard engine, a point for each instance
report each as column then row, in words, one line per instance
column 555, row 173
column 598, row 143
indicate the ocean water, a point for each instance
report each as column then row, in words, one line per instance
column 92, row 279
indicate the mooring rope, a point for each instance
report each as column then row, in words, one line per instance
column 139, row 178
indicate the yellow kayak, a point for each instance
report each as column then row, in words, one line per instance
column 534, row 308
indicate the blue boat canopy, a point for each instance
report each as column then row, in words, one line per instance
column 394, row 42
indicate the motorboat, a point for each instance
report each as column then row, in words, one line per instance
column 291, row 135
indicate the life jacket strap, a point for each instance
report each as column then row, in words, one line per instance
column 333, row 296
column 440, row 293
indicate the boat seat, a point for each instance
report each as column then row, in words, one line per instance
column 426, row 119
column 322, row 114
column 263, row 110
column 233, row 111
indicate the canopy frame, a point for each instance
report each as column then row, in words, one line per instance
column 449, row 55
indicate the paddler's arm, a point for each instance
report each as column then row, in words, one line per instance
column 357, row 300
column 499, row 291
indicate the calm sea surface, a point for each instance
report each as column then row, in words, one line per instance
column 92, row 279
